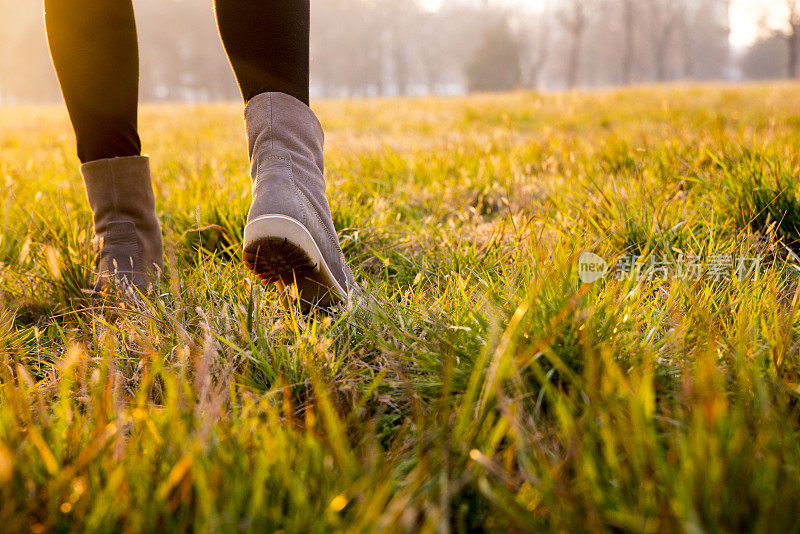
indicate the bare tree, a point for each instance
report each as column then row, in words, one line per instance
column 665, row 16
column 404, row 25
column 686, row 27
column 535, row 46
column 705, row 39
column 629, row 46
column 575, row 18
column 793, row 37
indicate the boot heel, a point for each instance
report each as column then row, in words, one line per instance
column 279, row 249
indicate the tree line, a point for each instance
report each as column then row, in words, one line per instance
column 400, row 47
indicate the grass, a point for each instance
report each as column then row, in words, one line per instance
column 485, row 389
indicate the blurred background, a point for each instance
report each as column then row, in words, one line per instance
column 416, row 47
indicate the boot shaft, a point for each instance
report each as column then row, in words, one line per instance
column 128, row 233
column 276, row 121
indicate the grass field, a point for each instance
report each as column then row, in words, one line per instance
column 483, row 388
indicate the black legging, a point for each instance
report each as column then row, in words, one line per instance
column 95, row 52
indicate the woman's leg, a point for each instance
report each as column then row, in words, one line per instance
column 267, row 44
column 289, row 238
column 95, row 52
column 94, row 48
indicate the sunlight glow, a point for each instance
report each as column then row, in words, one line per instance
column 748, row 15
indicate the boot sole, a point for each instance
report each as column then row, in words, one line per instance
column 279, row 249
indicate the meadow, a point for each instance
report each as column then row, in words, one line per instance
column 483, row 386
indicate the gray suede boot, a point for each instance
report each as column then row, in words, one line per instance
column 290, row 237
column 125, row 223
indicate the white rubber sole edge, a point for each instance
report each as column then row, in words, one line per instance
column 283, row 227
